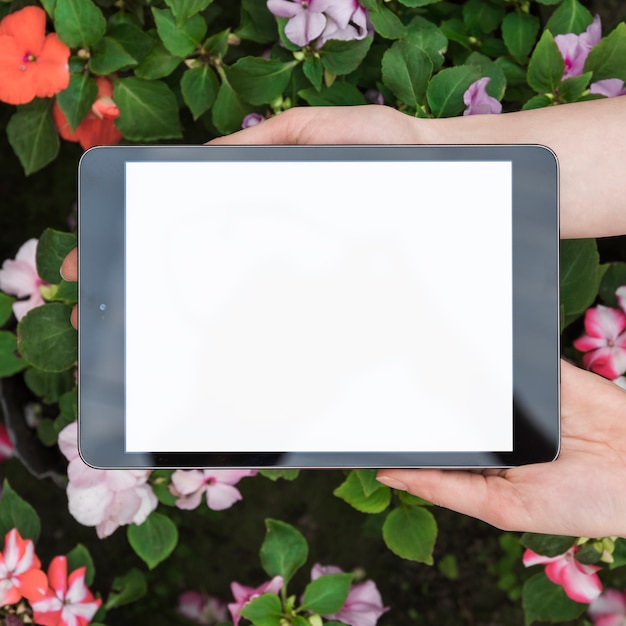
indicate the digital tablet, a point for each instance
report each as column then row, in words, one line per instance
column 319, row 306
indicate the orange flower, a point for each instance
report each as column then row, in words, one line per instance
column 98, row 128
column 32, row 65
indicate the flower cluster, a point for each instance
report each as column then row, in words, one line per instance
column 321, row 20
column 604, row 341
column 201, row 608
column 576, row 48
column 55, row 598
column 105, row 499
column 609, row 609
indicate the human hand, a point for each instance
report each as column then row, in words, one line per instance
column 579, row 494
column 69, row 271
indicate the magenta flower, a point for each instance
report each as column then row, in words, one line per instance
column 609, row 609
column 6, row 445
column 201, row 608
column 478, row 101
column 362, row 607
column 306, row 18
column 579, row 581
column 68, row 602
column 575, row 48
column 347, row 21
column 19, row 278
column 609, row 87
column 216, row 485
column 105, row 499
column 604, row 342
column 243, row 595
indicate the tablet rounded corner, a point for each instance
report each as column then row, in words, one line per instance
column 85, row 458
column 549, row 153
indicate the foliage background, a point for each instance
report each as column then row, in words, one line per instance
column 477, row 576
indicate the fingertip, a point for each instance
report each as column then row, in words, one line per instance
column 69, row 267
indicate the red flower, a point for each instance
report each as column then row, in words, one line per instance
column 98, row 128
column 32, row 65
column 20, row 573
column 69, row 602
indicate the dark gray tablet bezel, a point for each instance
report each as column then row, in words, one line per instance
column 535, row 307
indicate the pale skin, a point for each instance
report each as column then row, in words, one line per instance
column 582, row 493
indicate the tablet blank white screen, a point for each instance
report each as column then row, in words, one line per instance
column 312, row 306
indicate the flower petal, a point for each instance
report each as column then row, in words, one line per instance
column 284, row 8
column 579, row 585
column 220, row 496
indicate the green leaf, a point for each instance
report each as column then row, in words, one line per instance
column 52, row 248
column 275, row 474
column 217, row 45
column 406, row 70
column 184, row 9
column 259, row 81
column 17, row 513
column 127, row 588
column 579, row 278
column 314, row 71
column 589, row 554
column 148, row 110
column 546, row 65
column 257, row 23
column 573, row 87
column 47, row 339
column 538, row 102
column 132, row 38
column 387, row 24
column 547, row 545
column 343, row 57
column 326, row 594
column 79, row 557
column 339, row 94
column 46, row 432
column 606, row 59
column 613, row 279
column 569, row 17
column 445, row 90
column 228, row 110
column 67, row 292
column 158, row 63
column 481, row 16
column 6, row 308
column 68, row 407
column 411, row 532
column 367, row 478
column 266, row 610
column 352, row 492
column 410, row 500
column 417, row 3
column 455, row 30
column 79, row 23
column 619, row 553
column 284, row 550
column 199, row 87
column 33, row 135
column 49, row 386
column 10, row 362
column 425, row 35
column 549, row 1
column 519, row 31
column 109, row 56
column 76, row 100
column 179, row 40
column 160, row 481
column 542, row 600
column 154, row 540
column 490, row 69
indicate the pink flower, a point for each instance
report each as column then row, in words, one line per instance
column 478, row 101
column 201, row 609
column 20, row 571
column 579, row 581
column 19, row 278
column 604, row 343
column 609, row 609
column 252, row 119
column 105, row 499
column 68, row 601
column 347, row 21
column 306, row 18
column 575, row 48
column 216, row 485
column 609, row 87
column 244, row 594
column 362, row 607
column 6, row 445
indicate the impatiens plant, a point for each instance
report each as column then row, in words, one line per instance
column 175, row 546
